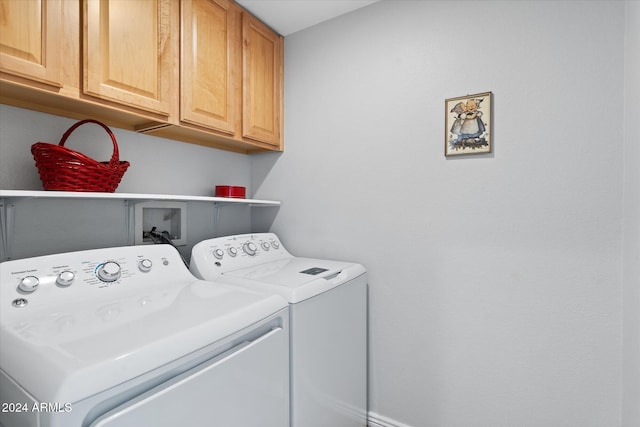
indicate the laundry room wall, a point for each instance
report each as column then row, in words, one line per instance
column 631, row 231
column 158, row 166
column 496, row 279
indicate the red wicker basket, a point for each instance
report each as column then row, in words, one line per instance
column 64, row 169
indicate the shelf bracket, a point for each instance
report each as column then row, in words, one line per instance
column 216, row 213
column 7, row 215
column 129, row 216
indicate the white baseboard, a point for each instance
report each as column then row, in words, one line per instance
column 376, row 420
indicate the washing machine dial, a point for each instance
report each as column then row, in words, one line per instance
column 232, row 251
column 265, row 246
column 145, row 265
column 218, row 253
column 250, row 248
column 65, row 278
column 275, row 245
column 110, row 271
column 29, row 284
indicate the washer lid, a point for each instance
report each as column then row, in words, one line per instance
column 295, row 279
column 77, row 350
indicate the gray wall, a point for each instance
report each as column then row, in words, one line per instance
column 158, row 166
column 495, row 280
column 631, row 233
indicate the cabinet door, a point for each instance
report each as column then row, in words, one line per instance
column 31, row 39
column 262, row 61
column 210, row 34
column 131, row 52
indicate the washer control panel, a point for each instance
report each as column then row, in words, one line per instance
column 86, row 275
column 234, row 252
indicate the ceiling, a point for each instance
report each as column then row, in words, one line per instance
column 288, row 16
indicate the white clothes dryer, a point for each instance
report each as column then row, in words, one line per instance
column 328, row 321
column 127, row 337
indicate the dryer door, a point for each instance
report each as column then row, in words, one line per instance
column 245, row 386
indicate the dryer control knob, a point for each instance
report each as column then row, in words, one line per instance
column 249, row 248
column 109, row 271
column 145, row 265
column 29, row 284
column 65, row 278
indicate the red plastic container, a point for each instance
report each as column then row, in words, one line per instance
column 232, row 191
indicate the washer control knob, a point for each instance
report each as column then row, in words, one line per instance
column 145, row 265
column 232, row 251
column 109, row 271
column 275, row 244
column 65, row 278
column 29, row 284
column 265, row 246
column 218, row 253
column 250, row 248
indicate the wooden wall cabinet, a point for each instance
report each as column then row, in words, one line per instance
column 231, row 73
column 199, row 71
column 31, row 45
column 208, row 63
column 262, row 62
column 130, row 53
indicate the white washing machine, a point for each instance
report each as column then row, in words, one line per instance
column 328, row 321
column 127, row 337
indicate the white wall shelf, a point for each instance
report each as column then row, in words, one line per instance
column 8, row 199
column 28, row 194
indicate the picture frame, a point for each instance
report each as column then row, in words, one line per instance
column 468, row 126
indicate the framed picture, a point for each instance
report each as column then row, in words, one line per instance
column 468, row 124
